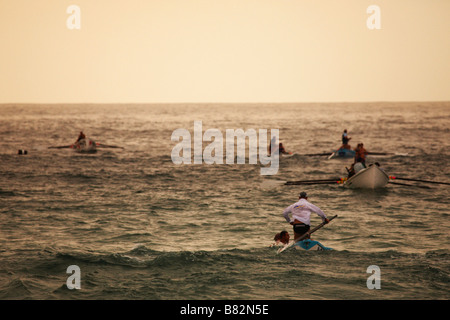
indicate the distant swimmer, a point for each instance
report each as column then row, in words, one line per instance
column 81, row 136
column 301, row 213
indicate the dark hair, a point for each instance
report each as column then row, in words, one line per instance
column 282, row 233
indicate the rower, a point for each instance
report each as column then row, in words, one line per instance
column 282, row 149
column 81, row 136
column 345, row 138
column 360, row 154
column 351, row 172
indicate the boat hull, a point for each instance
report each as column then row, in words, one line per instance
column 85, row 146
column 342, row 153
column 372, row 177
column 310, row 245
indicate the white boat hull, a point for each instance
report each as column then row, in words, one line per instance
column 85, row 145
column 368, row 178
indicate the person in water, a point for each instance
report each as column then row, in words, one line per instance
column 282, row 237
column 301, row 213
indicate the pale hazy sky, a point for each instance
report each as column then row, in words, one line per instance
column 224, row 51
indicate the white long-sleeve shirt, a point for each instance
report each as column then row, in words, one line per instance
column 301, row 211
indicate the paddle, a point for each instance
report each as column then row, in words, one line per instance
column 417, row 180
column 305, row 235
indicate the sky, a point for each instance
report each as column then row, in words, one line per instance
column 225, row 51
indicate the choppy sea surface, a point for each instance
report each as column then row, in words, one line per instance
column 140, row 227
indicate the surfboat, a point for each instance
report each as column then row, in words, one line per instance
column 371, row 177
column 342, row 153
column 85, row 146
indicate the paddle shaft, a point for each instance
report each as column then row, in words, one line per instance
column 409, row 185
column 315, row 154
column 61, row 147
column 313, row 230
column 108, row 146
column 312, row 182
column 334, row 180
column 418, row 180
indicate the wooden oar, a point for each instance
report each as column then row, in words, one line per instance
column 418, row 180
column 409, row 185
column 319, row 181
column 305, row 235
column 311, row 183
column 107, row 146
column 386, row 154
column 61, row 147
column 315, row 154
column 380, row 153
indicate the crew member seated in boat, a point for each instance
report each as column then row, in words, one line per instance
column 351, row 172
column 81, row 136
column 281, row 149
column 346, row 146
column 354, row 169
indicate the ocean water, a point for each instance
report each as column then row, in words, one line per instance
column 140, row 227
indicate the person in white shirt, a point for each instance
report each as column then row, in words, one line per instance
column 300, row 215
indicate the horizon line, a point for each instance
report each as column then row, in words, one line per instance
column 218, row 102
